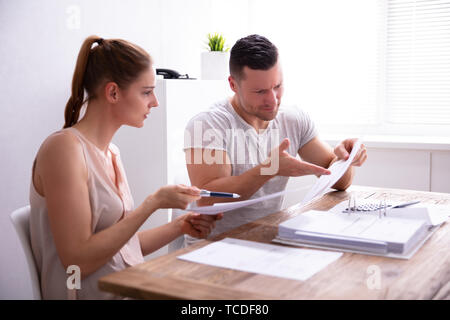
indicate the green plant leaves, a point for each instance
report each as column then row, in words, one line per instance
column 216, row 42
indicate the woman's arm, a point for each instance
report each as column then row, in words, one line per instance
column 63, row 175
column 194, row 224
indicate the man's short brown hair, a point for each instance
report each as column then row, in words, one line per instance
column 254, row 51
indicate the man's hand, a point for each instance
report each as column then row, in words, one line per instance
column 286, row 165
column 343, row 149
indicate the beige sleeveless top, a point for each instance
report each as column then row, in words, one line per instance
column 108, row 203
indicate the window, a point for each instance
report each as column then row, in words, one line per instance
column 364, row 67
column 418, row 62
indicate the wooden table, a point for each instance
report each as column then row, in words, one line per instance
column 425, row 276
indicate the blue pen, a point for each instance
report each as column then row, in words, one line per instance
column 407, row 204
column 206, row 193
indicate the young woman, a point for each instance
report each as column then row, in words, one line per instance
column 82, row 212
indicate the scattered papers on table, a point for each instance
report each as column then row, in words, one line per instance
column 267, row 259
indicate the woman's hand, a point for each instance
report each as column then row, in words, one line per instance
column 175, row 196
column 197, row 225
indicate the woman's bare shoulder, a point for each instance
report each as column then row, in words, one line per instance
column 60, row 141
column 62, row 148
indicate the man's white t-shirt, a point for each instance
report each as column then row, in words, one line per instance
column 221, row 128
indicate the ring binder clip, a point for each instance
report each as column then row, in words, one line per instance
column 379, row 206
column 351, row 200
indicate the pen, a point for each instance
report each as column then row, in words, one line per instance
column 405, row 204
column 206, row 193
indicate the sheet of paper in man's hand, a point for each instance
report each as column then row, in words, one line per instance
column 325, row 182
column 322, row 185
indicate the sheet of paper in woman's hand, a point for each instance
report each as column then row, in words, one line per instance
column 325, row 182
column 227, row 206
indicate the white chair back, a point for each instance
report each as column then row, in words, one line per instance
column 21, row 221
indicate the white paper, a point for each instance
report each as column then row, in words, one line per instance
column 267, row 259
column 355, row 225
column 227, row 206
column 436, row 213
column 325, row 182
column 433, row 214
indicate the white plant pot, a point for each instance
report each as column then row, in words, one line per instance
column 215, row 65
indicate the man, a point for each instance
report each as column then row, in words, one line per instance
column 250, row 143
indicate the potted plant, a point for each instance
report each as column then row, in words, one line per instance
column 214, row 62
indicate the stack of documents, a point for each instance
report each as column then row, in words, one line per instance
column 357, row 232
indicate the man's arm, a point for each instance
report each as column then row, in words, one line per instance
column 217, row 177
column 320, row 153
